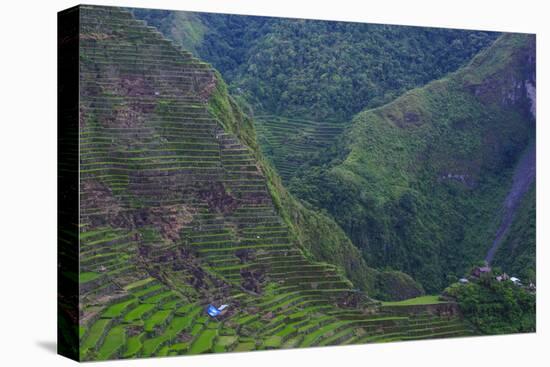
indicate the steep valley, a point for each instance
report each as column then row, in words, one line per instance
column 303, row 81
column 179, row 209
column 418, row 184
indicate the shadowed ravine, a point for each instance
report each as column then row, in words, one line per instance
column 524, row 176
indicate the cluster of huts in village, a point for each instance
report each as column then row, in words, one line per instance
column 479, row 271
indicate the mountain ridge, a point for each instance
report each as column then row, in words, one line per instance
column 176, row 213
column 433, row 147
column 304, row 79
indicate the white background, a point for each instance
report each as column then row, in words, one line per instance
column 28, row 183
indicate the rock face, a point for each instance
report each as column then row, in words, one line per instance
column 531, row 90
column 510, row 87
column 523, row 180
column 175, row 214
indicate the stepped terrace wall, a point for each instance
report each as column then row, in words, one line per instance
column 175, row 215
column 292, row 142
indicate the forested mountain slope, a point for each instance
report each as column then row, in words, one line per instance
column 418, row 184
column 178, row 211
column 318, row 69
column 305, row 79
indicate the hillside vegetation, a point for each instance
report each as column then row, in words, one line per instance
column 305, row 79
column 318, row 69
column 496, row 307
column 418, row 183
column 315, row 232
column 517, row 254
column 417, row 187
column 178, row 210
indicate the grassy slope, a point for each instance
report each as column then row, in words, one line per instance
column 423, row 300
column 391, row 190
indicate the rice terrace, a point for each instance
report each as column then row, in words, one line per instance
column 242, row 183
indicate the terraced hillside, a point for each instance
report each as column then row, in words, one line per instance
column 175, row 214
column 305, row 73
column 290, row 143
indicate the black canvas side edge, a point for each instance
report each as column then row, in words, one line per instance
column 68, row 25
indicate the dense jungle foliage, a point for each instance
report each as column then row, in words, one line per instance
column 318, row 69
column 496, row 307
column 418, row 184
